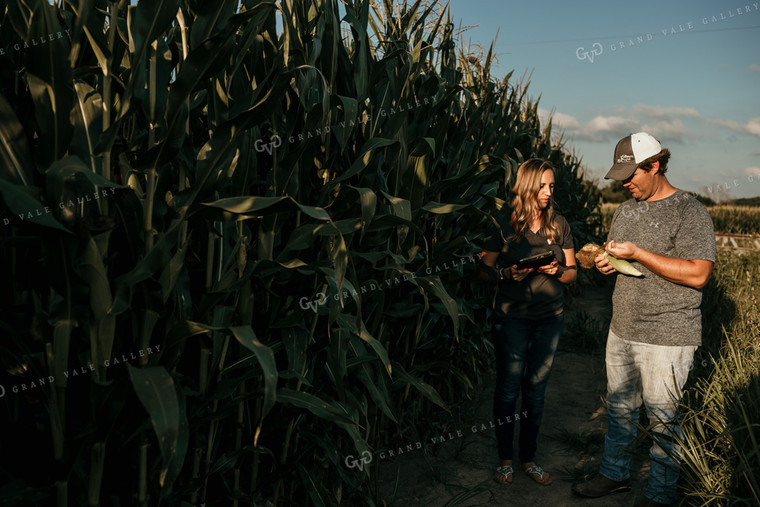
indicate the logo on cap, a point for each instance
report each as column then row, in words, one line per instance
column 623, row 159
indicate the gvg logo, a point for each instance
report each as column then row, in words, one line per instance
column 352, row 462
column 596, row 50
column 274, row 142
column 635, row 211
column 305, row 304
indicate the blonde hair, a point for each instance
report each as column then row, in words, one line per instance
column 525, row 201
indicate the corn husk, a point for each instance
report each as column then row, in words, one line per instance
column 590, row 251
column 587, row 254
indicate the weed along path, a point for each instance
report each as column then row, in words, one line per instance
column 457, row 467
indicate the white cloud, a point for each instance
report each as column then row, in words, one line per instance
column 754, row 67
column 612, row 127
column 667, row 130
column 753, row 126
column 606, row 128
column 560, row 120
column 663, row 122
column 665, row 112
column 606, row 123
column 729, row 124
column 752, row 171
column 566, row 121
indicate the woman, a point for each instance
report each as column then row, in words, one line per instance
column 528, row 311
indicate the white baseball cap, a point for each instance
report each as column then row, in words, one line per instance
column 630, row 151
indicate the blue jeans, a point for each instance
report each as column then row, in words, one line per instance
column 654, row 374
column 524, row 354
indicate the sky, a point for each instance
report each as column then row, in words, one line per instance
column 686, row 72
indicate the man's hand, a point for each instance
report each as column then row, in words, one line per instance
column 603, row 265
column 549, row 269
column 622, row 249
column 689, row 272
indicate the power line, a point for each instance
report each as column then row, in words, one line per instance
column 628, row 36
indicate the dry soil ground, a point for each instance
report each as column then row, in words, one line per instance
column 459, row 470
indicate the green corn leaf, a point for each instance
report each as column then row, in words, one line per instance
column 156, row 390
column 15, row 158
column 315, row 405
column 265, row 356
column 426, row 389
column 20, row 200
column 50, row 81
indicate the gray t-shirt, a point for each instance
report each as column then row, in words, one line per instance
column 651, row 309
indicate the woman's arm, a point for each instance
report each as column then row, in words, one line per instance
column 489, row 260
column 569, row 272
column 512, row 273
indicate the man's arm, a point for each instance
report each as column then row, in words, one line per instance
column 692, row 273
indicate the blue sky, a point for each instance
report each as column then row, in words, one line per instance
column 687, row 72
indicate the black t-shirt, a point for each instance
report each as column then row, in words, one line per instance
column 538, row 296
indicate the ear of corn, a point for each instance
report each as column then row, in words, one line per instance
column 622, row 265
column 590, row 251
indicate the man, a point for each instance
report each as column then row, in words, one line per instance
column 656, row 322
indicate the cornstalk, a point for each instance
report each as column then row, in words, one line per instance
column 61, row 493
column 113, row 9
column 289, row 431
column 142, row 474
column 182, row 175
column 56, row 426
column 151, row 190
column 238, row 441
column 97, row 457
column 205, row 354
column 255, row 463
column 210, row 249
column 150, row 318
column 203, row 386
column 213, row 424
column 209, row 447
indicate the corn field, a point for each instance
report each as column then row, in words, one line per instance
column 237, row 242
column 736, row 219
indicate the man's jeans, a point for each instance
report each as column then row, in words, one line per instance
column 654, row 374
column 524, row 354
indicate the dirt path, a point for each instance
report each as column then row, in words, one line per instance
column 458, row 470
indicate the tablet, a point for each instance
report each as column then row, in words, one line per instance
column 536, row 261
